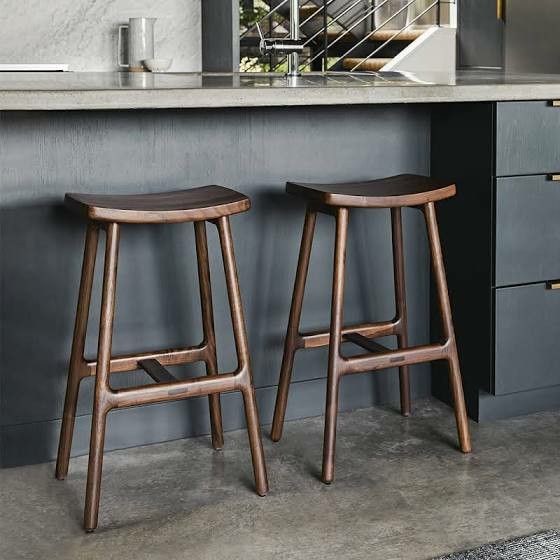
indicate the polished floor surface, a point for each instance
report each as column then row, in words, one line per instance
column 402, row 492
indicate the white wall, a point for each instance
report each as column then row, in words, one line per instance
column 83, row 33
column 434, row 51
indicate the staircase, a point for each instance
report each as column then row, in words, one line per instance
column 338, row 35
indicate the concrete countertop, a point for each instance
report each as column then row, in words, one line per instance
column 120, row 90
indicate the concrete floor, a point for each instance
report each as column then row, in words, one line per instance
column 402, row 491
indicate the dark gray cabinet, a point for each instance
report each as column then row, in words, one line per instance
column 527, row 343
column 481, row 34
column 501, row 238
column 527, row 138
column 527, row 229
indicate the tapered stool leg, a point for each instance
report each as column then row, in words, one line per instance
column 290, row 342
column 208, row 330
column 255, row 438
column 400, row 300
column 448, row 330
column 242, row 349
column 101, row 402
column 333, row 374
column 77, row 354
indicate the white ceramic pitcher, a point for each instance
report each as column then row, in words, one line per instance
column 140, row 42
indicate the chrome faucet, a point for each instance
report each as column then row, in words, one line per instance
column 292, row 46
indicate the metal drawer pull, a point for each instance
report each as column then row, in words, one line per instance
column 554, row 177
column 556, row 103
column 500, row 9
column 553, row 285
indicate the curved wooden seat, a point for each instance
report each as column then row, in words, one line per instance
column 201, row 203
column 392, row 192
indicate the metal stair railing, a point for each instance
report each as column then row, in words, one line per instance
column 268, row 14
column 335, row 19
column 276, row 25
column 346, row 30
column 392, row 38
column 351, row 21
column 369, row 12
column 388, row 41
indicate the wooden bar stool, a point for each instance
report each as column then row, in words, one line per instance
column 214, row 204
column 336, row 199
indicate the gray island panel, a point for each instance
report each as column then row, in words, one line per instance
column 45, row 154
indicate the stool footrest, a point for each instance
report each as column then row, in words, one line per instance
column 366, row 343
column 395, row 358
column 131, row 362
column 321, row 338
column 177, row 390
column 156, row 371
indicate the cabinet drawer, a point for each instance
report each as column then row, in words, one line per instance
column 527, row 138
column 527, row 230
column 527, row 335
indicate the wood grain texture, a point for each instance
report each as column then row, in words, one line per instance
column 397, row 191
column 167, row 387
column 527, row 352
column 450, row 343
column 156, row 371
column 206, row 308
column 334, row 372
column 244, row 375
column 200, row 203
column 77, row 355
column 101, row 401
column 401, row 314
column 378, row 356
column 371, row 64
column 527, row 230
column 365, row 342
column 292, row 335
column 527, row 138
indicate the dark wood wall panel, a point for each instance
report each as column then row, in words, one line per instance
column 43, row 155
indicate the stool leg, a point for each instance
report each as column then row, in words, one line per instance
column 101, row 401
column 448, row 330
column 77, row 354
column 290, row 342
column 242, row 348
column 400, row 300
column 333, row 375
column 208, row 330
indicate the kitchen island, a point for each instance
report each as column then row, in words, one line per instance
column 496, row 135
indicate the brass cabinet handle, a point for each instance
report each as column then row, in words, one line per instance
column 554, row 177
column 553, row 285
column 500, row 9
column 556, row 102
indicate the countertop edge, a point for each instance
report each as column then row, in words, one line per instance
column 136, row 99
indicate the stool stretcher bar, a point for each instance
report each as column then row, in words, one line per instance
column 394, row 358
column 321, row 338
column 131, row 362
column 163, row 392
